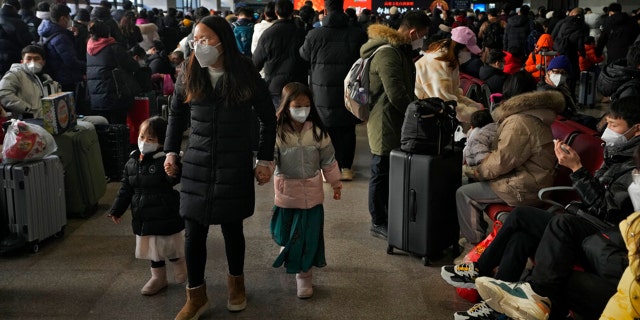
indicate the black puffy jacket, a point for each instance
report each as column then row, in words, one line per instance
column 617, row 80
column 331, row 50
column 217, row 184
column 101, row 60
column 493, row 77
column 277, row 55
column 14, row 35
column 516, row 33
column 605, row 194
column 154, row 203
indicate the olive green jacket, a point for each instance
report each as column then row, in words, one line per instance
column 391, row 83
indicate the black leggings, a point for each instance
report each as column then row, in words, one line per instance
column 196, row 249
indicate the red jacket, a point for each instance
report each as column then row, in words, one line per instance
column 511, row 63
column 590, row 58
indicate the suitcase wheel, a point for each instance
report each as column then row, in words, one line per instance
column 389, row 249
column 425, row 261
column 35, row 246
column 60, row 233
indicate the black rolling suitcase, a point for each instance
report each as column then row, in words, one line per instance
column 422, row 204
column 114, row 148
column 423, row 178
column 587, row 88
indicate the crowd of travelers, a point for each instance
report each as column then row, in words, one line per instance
column 287, row 68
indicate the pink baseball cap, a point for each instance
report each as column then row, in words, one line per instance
column 464, row 35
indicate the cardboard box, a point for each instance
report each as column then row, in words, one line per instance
column 59, row 112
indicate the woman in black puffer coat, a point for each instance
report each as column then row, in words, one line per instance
column 218, row 90
column 103, row 55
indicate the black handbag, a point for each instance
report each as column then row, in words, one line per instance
column 126, row 85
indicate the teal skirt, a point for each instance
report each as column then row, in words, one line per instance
column 300, row 232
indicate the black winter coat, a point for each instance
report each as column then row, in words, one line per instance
column 100, row 83
column 159, row 63
column 617, row 80
column 331, row 50
column 149, row 191
column 618, row 33
column 217, row 184
column 277, row 54
column 605, row 194
column 493, row 77
column 516, row 33
column 14, row 35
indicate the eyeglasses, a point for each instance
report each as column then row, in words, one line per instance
column 201, row 42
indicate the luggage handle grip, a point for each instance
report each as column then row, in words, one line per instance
column 412, row 205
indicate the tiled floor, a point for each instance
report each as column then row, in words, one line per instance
column 91, row 273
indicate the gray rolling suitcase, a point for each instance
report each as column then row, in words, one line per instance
column 33, row 200
column 587, row 88
column 422, row 208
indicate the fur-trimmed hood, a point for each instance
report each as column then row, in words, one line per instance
column 380, row 35
column 544, row 105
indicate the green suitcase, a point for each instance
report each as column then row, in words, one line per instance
column 84, row 178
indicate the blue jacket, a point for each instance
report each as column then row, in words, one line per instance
column 63, row 64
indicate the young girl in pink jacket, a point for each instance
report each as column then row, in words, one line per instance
column 303, row 154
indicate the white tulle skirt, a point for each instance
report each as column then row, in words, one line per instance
column 159, row 248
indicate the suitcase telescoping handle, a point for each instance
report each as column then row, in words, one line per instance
column 412, row 205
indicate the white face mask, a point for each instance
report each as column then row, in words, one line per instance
column 141, row 62
column 612, row 138
column 69, row 23
column 207, row 55
column 147, row 147
column 557, row 79
column 417, row 44
column 634, row 190
column 34, row 67
column 300, row 114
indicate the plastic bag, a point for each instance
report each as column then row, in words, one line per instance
column 24, row 141
column 167, row 85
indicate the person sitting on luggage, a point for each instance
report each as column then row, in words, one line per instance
column 554, row 287
column 156, row 221
column 590, row 60
column 522, row 162
column 24, row 85
column 491, row 72
column 480, row 137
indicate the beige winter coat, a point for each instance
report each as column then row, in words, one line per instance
column 523, row 161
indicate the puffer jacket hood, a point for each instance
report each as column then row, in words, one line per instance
column 614, row 75
column 95, row 46
column 48, row 28
column 545, row 41
column 544, row 105
column 379, row 35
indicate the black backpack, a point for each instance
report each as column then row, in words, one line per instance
column 428, row 126
column 493, row 36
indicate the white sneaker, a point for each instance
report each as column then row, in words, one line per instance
column 516, row 300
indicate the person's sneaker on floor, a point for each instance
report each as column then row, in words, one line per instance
column 346, row 174
column 480, row 311
column 379, row 231
column 515, row 300
column 460, row 275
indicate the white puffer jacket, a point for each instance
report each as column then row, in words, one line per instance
column 21, row 90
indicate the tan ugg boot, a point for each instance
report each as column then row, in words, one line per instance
column 197, row 303
column 237, row 299
column 304, row 284
column 180, row 270
column 157, row 282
